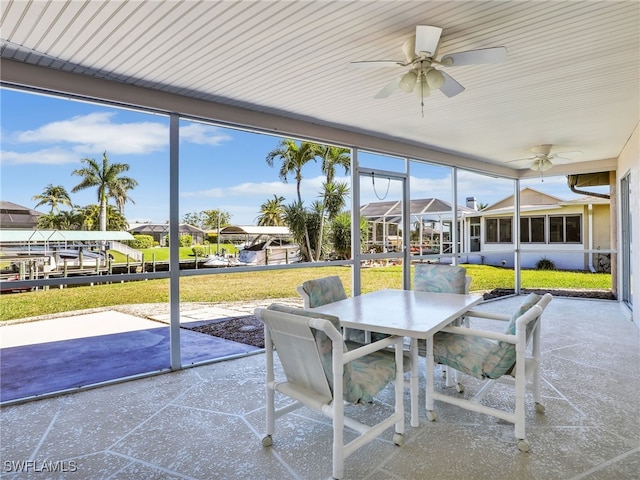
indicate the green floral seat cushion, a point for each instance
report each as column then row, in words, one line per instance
column 363, row 377
column 439, row 278
column 481, row 357
column 502, row 356
column 324, row 290
column 462, row 352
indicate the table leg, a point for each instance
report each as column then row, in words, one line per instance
column 413, row 385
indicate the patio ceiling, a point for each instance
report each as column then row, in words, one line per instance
column 571, row 78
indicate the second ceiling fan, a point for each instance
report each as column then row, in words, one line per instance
column 420, row 56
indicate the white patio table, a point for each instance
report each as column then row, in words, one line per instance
column 407, row 313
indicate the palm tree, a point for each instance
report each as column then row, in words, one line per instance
column 272, row 212
column 293, row 157
column 90, row 216
column 53, row 196
column 107, row 177
column 333, row 201
column 331, row 158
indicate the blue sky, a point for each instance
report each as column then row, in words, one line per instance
column 44, row 138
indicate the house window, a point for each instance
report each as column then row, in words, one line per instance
column 565, row 229
column 532, row 230
column 498, row 230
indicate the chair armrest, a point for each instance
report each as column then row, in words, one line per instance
column 481, row 333
column 368, row 348
column 487, row 315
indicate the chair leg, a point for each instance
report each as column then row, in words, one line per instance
column 431, row 416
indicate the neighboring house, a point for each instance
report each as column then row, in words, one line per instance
column 430, row 220
column 16, row 216
column 550, row 228
column 159, row 232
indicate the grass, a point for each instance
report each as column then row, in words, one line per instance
column 267, row 284
column 162, row 253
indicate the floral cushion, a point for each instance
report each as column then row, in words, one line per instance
column 502, row 356
column 324, row 290
column 439, row 278
column 462, row 352
column 481, row 357
column 363, row 377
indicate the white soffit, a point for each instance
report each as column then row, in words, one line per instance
column 571, row 78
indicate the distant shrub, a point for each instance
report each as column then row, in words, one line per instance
column 545, row 264
column 141, row 241
column 198, row 250
column 186, row 240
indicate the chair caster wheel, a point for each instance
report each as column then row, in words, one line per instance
column 431, row 416
column 540, row 408
column 267, row 441
column 460, row 387
column 523, row 445
column 398, row 439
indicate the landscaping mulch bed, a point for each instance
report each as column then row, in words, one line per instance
column 248, row 330
column 595, row 294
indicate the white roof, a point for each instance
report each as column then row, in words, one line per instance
column 254, row 230
column 14, row 235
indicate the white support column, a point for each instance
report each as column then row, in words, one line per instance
column 516, row 236
column 356, row 247
column 454, row 217
column 174, row 242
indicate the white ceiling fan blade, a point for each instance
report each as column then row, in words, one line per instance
column 389, row 89
column 427, row 39
column 474, row 57
column 528, row 159
column 451, row 87
column 378, row 63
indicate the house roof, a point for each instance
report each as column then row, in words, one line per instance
column 391, row 211
column 254, row 230
column 147, row 228
column 570, row 79
column 13, row 215
column 41, row 236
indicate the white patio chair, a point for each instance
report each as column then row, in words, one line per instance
column 443, row 279
column 321, row 291
column 312, row 353
column 511, row 357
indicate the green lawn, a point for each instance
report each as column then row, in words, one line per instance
column 161, row 254
column 267, row 284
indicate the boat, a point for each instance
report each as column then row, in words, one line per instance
column 217, row 261
column 273, row 251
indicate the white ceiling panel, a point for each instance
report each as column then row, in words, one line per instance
column 571, row 78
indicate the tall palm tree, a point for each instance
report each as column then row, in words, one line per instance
column 272, row 212
column 331, row 158
column 53, row 196
column 107, row 177
column 333, row 201
column 293, row 157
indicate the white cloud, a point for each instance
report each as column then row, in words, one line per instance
column 96, row 132
column 49, row 156
column 203, row 134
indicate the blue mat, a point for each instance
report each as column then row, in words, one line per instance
column 49, row 367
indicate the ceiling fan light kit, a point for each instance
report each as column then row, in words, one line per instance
column 419, row 52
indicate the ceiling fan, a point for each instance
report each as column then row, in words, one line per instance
column 420, row 56
column 542, row 159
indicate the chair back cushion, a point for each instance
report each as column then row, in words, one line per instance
column 324, row 290
column 502, row 356
column 439, row 278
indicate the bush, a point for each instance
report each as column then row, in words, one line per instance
column 186, row 240
column 199, row 250
column 141, row 241
column 545, row 264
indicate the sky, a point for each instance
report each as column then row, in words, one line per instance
column 44, row 138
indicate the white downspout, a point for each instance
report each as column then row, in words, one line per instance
column 590, row 245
